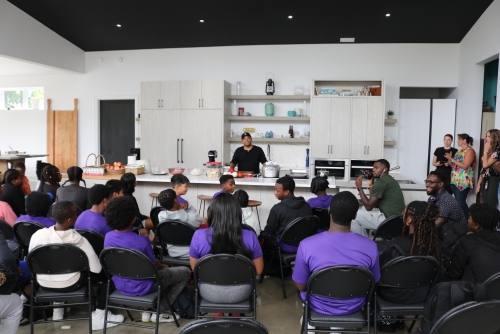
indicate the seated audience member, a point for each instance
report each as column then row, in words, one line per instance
column 121, row 215
column 39, row 167
column 73, row 192
column 11, row 306
column 248, row 217
column 12, row 193
column 169, row 200
column 116, row 188
column 180, row 184
column 283, row 213
column 64, row 213
column 318, row 187
column 130, row 183
column 37, row 208
column 49, row 181
column 6, row 213
column 475, row 257
column 225, row 235
column 451, row 223
column 386, row 199
column 93, row 218
column 21, row 168
column 339, row 246
column 227, row 184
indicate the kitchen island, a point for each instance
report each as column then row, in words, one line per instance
column 260, row 189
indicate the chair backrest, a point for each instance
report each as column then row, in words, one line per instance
column 299, row 229
column 127, row 263
column 222, row 326
column 492, row 285
column 350, row 282
column 57, row 259
column 95, row 239
column 410, row 272
column 174, row 232
column 154, row 215
column 7, row 230
column 390, row 228
column 23, row 230
column 224, row 269
column 323, row 216
column 472, row 317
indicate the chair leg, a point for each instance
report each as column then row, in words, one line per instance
column 106, row 307
column 374, row 314
column 258, row 218
column 129, row 314
column 32, row 329
column 412, row 324
column 282, row 275
column 91, row 299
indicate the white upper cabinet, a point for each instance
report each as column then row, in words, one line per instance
column 160, row 95
column 202, row 94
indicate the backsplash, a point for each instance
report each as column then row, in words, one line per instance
column 286, row 155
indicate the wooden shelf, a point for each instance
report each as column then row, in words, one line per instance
column 269, row 97
column 391, row 121
column 268, row 119
column 390, row 143
column 271, row 140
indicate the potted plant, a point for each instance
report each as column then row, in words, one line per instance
column 390, row 113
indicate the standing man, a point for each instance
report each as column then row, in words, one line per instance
column 248, row 156
column 386, row 199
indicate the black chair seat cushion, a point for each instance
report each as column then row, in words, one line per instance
column 175, row 261
column 44, row 296
column 287, row 258
column 353, row 320
column 148, row 300
column 243, row 307
column 387, row 308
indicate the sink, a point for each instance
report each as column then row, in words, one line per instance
column 406, row 182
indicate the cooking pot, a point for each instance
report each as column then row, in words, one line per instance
column 271, row 171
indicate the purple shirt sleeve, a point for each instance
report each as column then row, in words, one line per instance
column 194, row 248
column 301, row 269
column 181, row 200
column 253, row 243
column 146, row 249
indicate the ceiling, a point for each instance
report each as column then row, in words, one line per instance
column 149, row 24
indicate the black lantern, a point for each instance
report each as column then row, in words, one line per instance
column 270, row 86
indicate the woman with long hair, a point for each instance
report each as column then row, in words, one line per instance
column 12, row 193
column 130, row 182
column 487, row 183
column 73, row 192
column 225, row 236
column 49, row 181
column 462, row 170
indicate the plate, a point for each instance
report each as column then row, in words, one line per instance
column 160, row 173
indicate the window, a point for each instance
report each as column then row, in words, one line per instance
column 22, row 98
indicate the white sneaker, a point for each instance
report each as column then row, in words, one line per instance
column 146, row 316
column 58, row 313
column 98, row 319
column 164, row 317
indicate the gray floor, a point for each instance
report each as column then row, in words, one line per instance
column 279, row 315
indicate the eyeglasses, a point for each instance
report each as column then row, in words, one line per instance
column 430, row 182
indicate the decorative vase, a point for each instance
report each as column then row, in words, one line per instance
column 389, row 116
column 269, row 109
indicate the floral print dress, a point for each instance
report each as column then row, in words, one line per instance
column 462, row 178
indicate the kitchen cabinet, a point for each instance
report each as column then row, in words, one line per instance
column 202, row 94
column 157, row 95
column 367, row 128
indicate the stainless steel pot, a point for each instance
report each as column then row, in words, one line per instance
column 271, row 171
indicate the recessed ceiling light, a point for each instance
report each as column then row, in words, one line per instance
column 347, row 40
column 202, row 21
column 387, row 14
column 118, row 25
column 290, row 16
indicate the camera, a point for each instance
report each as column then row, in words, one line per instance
column 366, row 174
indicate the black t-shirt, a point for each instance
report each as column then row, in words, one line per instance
column 439, row 153
column 249, row 160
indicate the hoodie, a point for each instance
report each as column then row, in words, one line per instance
column 249, row 219
column 51, row 236
column 284, row 213
column 475, row 257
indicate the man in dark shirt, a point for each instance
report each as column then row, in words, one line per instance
column 248, row 156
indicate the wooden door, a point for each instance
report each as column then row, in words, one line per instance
column 171, row 95
column 375, row 128
column 359, row 126
column 191, row 94
column 151, row 95
column 340, row 128
column 62, row 136
column 212, row 94
column 320, row 127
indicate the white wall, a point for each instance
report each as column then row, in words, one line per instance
column 22, row 37
column 410, row 65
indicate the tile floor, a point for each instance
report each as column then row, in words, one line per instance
column 279, row 315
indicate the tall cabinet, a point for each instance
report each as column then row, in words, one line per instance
column 347, row 126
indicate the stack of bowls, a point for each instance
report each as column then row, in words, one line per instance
column 291, row 113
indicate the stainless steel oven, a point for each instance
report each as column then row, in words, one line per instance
column 358, row 165
column 338, row 168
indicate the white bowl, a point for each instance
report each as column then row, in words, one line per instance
column 196, row 171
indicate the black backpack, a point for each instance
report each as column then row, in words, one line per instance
column 447, row 295
column 184, row 304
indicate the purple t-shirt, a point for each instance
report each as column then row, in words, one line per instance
column 180, row 199
column 200, row 246
column 218, row 193
column 320, row 202
column 336, row 249
column 130, row 240
column 93, row 221
column 45, row 221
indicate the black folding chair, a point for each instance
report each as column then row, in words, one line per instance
column 471, row 317
column 132, row 264
column 387, row 230
column 492, row 284
column 224, row 326
column 23, row 230
column 7, row 230
column 324, row 218
column 59, row 259
column 225, row 270
column 95, row 239
column 154, row 215
column 339, row 282
column 410, row 272
column 174, row 233
column 294, row 233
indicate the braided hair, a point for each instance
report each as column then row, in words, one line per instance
column 425, row 234
column 485, row 215
column 49, row 174
column 75, row 173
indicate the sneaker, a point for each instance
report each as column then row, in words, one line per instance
column 218, row 315
column 146, row 316
column 58, row 314
column 98, row 319
column 163, row 317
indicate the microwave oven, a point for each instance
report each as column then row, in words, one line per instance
column 338, row 168
column 358, row 165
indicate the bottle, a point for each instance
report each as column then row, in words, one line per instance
column 307, row 157
column 290, row 131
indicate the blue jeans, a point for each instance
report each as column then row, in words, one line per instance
column 461, row 197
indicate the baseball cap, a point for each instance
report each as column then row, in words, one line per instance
column 245, row 134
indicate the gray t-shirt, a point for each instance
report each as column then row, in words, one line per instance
column 75, row 194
